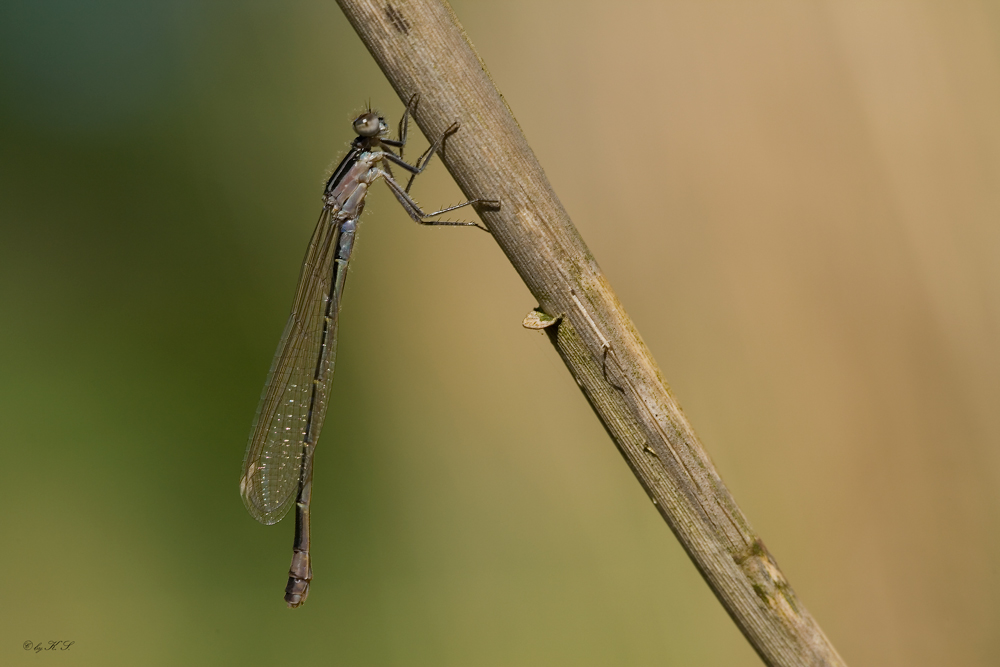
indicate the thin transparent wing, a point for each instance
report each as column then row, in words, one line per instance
column 293, row 404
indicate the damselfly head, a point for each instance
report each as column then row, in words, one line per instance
column 370, row 124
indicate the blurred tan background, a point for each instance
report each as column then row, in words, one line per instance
column 797, row 203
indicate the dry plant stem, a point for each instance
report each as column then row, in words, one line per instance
column 421, row 48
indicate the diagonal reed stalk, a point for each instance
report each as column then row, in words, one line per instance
column 422, row 48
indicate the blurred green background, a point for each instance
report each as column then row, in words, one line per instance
column 797, row 203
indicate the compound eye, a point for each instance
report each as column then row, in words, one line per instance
column 368, row 124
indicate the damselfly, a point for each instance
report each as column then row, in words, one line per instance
column 278, row 465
